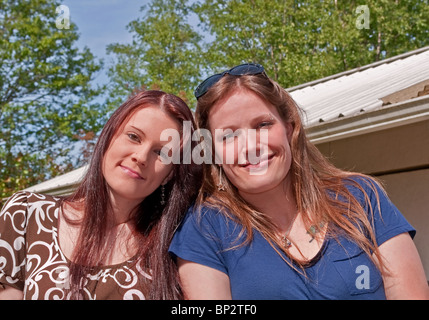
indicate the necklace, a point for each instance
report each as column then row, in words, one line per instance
column 286, row 242
column 314, row 229
column 311, row 231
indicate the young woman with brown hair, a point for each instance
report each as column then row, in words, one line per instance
column 108, row 240
column 289, row 225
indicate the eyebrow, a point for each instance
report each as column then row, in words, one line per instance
column 265, row 116
column 138, row 129
column 258, row 118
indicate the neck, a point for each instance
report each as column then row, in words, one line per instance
column 122, row 209
column 277, row 203
column 121, row 244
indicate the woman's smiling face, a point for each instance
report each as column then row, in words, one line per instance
column 132, row 165
column 259, row 131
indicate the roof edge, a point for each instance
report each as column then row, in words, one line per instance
column 351, row 71
column 59, row 185
column 394, row 115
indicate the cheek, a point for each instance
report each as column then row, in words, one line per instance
column 232, row 176
column 107, row 162
column 278, row 139
column 162, row 172
column 226, row 153
column 117, row 148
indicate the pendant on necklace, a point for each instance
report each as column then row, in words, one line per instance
column 220, row 186
column 313, row 230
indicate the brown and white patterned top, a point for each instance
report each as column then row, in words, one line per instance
column 31, row 259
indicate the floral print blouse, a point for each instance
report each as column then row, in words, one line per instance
column 31, row 259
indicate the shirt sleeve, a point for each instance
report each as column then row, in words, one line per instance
column 13, row 221
column 388, row 221
column 201, row 238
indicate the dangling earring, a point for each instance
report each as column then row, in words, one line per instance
column 220, row 185
column 162, row 195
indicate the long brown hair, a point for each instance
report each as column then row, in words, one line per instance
column 320, row 189
column 155, row 223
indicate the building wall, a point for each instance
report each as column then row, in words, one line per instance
column 410, row 193
column 400, row 158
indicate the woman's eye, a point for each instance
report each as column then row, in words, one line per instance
column 133, row 137
column 264, row 124
column 227, row 137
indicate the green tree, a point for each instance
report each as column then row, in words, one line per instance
column 165, row 53
column 299, row 41
column 45, row 94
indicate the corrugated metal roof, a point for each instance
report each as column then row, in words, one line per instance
column 360, row 90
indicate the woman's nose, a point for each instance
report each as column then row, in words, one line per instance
column 252, row 146
column 140, row 156
column 256, row 145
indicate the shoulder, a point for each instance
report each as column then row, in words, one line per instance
column 27, row 196
column 206, row 222
column 22, row 204
column 204, row 213
column 18, row 197
column 360, row 185
column 367, row 191
column 208, row 216
column 17, row 202
column 205, row 237
column 385, row 217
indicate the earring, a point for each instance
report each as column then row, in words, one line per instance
column 220, row 185
column 162, row 195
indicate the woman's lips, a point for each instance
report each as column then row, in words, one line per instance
column 264, row 162
column 131, row 173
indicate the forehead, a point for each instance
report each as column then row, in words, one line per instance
column 239, row 106
column 150, row 118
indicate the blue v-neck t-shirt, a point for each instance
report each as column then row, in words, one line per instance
column 340, row 270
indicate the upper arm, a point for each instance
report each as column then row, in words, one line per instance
column 10, row 293
column 200, row 282
column 405, row 277
column 13, row 228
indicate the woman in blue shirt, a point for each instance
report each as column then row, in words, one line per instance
column 276, row 220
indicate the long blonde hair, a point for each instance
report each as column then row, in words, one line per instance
column 320, row 189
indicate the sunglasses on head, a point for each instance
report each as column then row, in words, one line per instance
column 241, row 70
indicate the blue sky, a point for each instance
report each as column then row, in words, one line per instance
column 102, row 22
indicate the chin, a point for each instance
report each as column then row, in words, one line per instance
column 255, row 186
column 258, row 184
